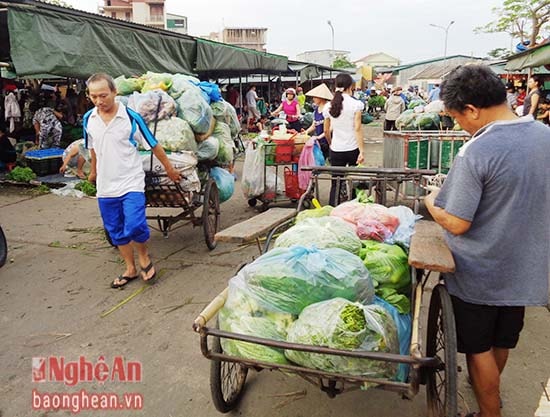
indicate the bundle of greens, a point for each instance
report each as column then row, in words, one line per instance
column 21, row 174
column 86, row 187
column 340, row 324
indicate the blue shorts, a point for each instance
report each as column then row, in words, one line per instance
column 124, row 218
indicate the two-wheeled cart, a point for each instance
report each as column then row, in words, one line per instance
column 166, row 194
column 432, row 359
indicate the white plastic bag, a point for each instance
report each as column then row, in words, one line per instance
column 184, row 162
column 253, row 171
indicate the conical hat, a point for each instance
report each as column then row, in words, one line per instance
column 321, row 91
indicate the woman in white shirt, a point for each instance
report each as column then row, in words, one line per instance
column 343, row 129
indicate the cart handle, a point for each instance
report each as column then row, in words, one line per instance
column 210, row 310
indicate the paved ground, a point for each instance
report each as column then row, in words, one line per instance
column 55, row 292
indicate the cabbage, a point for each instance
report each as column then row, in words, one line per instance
column 321, row 232
column 341, row 324
column 175, row 135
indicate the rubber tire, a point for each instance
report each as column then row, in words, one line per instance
column 224, row 405
column 441, row 307
column 210, row 205
column 3, row 248
column 252, row 202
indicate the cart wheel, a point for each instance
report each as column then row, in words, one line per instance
column 3, row 248
column 226, row 381
column 108, row 237
column 210, row 213
column 252, row 202
column 441, row 384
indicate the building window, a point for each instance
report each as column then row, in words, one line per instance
column 108, row 2
column 179, row 23
column 113, row 14
column 128, row 16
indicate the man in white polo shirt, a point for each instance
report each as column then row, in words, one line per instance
column 112, row 133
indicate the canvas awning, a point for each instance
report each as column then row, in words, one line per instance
column 67, row 43
column 216, row 59
column 531, row 58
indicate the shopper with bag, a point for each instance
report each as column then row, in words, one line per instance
column 320, row 95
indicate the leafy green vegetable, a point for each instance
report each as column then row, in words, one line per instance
column 428, row 121
column 400, row 301
column 387, row 264
column 86, row 187
column 21, row 174
column 340, row 324
column 377, row 101
column 416, row 103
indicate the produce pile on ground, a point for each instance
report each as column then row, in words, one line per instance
column 186, row 115
column 338, row 278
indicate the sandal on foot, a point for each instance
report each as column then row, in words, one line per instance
column 144, row 272
column 114, row 284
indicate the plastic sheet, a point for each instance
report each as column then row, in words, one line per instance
column 340, row 324
column 321, row 232
column 224, row 181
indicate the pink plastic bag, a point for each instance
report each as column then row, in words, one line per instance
column 307, row 158
column 371, row 221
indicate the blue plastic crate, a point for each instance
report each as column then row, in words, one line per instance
column 45, row 153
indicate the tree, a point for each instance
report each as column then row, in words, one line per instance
column 499, row 53
column 342, row 62
column 522, row 19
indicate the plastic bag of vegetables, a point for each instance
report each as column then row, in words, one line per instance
column 321, row 232
column 406, row 121
column 208, row 149
column 400, row 301
column 223, row 134
column 195, row 110
column 184, row 162
column 175, row 135
column 371, row 221
column 224, row 181
column 146, row 104
column 312, row 213
column 407, row 220
column 180, row 84
column 224, row 112
column 126, row 86
column 387, row 264
column 341, row 324
column 289, row 279
column 156, row 81
column 428, row 121
column 243, row 314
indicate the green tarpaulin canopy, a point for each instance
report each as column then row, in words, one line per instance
column 219, row 59
column 47, row 41
column 531, row 58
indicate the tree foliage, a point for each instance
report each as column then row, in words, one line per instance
column 342, row 62
column 499, row 53
column 525, row 20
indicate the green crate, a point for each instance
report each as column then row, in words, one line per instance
column 270, row 154
column 449, row 148
column 416, row 147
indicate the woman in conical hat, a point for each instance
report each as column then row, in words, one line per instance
column 320, row 95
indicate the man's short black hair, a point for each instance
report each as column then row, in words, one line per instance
column 475, row 85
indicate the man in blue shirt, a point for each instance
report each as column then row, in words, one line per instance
column 434, row 94
column 494, row 207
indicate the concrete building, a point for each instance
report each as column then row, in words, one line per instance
column 322, row 57
column 146, row 12
column 378, row 59
column 176, row 23
column 251, row 38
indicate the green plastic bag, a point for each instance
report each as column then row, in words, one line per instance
column 313, row 213
column 126, row 86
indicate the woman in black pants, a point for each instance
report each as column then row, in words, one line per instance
column 343, row 129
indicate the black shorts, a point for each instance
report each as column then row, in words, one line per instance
column 481, row 327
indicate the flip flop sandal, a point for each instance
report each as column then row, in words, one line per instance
column 146, row 270
column 114, row 284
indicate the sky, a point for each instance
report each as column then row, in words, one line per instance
column 400, row 28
